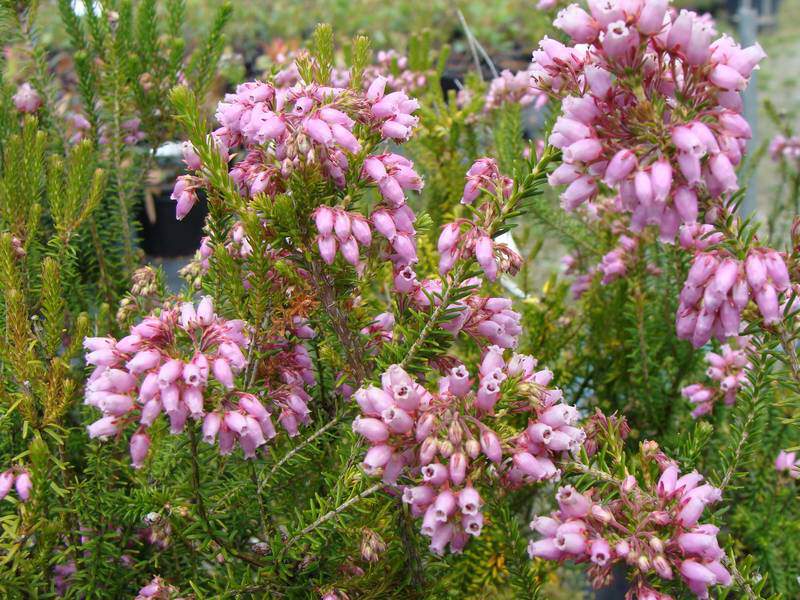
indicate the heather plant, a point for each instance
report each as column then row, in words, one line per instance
column 73, row 167
column 364, row 389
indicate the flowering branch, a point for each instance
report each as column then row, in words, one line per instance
column 201, row 508
column 294, row 451
column 332, row 513
column 354, row 351
column 739, row 578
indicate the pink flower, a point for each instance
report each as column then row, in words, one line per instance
column 577, row 24
column 786, row 462
column 572, row 503
column 185, row 195
column 27, row 99
column 190, row 157
column 591, row 75
column 6, row 483
column 600, row 552
column 23, row 486
column 175, row 352
column 140, row 444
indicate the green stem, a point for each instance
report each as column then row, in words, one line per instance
column 261, row 511
column 353, row 349
column 288, row 456
column 333, row 513
column 739, row 579
column 116, row 145
column 407, row 536
column 433, row 320
column 201, row 507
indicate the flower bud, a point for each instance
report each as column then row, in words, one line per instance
column 372, row 545
column 472, row 447
column 490, row 445
column 628, row 484
column 643, row 563
column 23, row 486
column 446, row 448
column 601, row 514
column 656, row 544
column 457, row 467
column 455, row 433
column 662, row 567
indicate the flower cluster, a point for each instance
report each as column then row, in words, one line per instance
column 697, row 237
column 656, row 533
column 293, row 372
column 163, row 366
column 513, row 88
column 288, row 73
column 650, row 107
column 307, row 125
column 380, row 330
column 493, row 257
column 582, row 281
column 393, row 174
column 132, row 134
column 767, row 276
column 393, row 218
column 446, row 439
column 488, row 320
column 484, row 176
column 390, row 64
column 337, row 227
column 397, row 226
column 491, row 319
column 783, row 148
column 729, row 369
column 19, row 479
column 718, row 288
column 393, row 66
column 158, row 589
column 303, row 125
column 27, row 99
column 79, row 127
column 391, row 112
column 615, row 263
column 471, row 237
column 62, row 576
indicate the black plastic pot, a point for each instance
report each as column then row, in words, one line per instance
column 163, row 235
column 618, row 588
column 459, row 64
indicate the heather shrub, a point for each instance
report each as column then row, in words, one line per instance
column 379, row 377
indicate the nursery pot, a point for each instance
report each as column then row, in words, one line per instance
column 461, row 63
column 162, row 234
column 618, row 587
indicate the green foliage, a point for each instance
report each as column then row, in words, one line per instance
column 360, row 57
column 203, row 62
column 322, row 46
column 509, row 138
column 294, row 522
column 67, row 246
